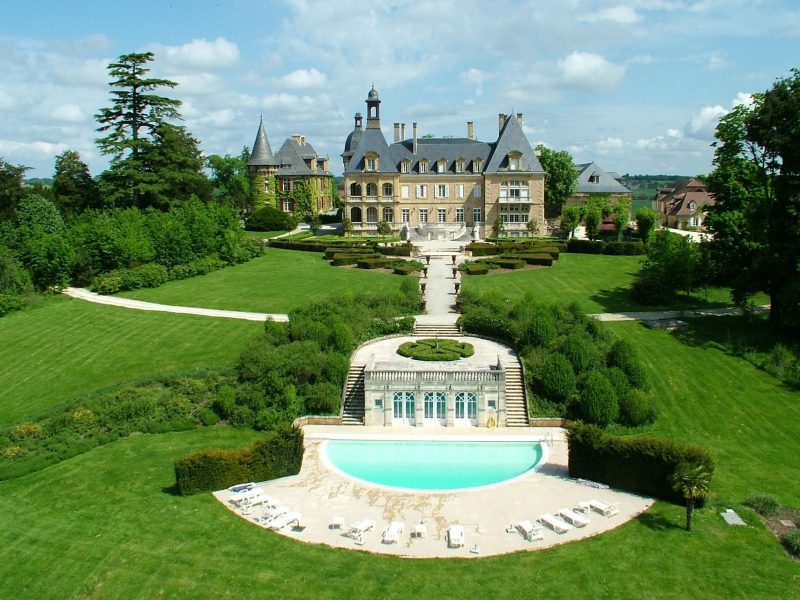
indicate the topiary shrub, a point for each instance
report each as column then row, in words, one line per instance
column 791, row 541
column 269, row 218
column 597, row 401
column 585, row 246
column 623, row 355
column 434, row 350
column 332, row 251
column 508, row 263
column 581, row 352
column 538, row 330
column 556, row 379
column 483, row 249
column 636, row 408
column 624, row 248
column 475, row 268
column 766, row 505
column 536, row 258
column 371, row 263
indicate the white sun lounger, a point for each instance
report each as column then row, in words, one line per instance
column 263, row 500
column 604, row 508
column 283, row 520
column 557, row 524
column 392, row 533
column 529, row 531
column 455, row 536
column 270, row 514
column 573, row 517
column 240, row 498
column 357, row 530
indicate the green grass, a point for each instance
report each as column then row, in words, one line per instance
column 745, row 417
column 600, row 283
column 107, row 525
column 63, row 348
column 263, row 234
column 276, row 283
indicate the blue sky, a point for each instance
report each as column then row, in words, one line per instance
column 635, row 86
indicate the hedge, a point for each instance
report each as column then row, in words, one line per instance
column 508, row 263
column 279, row 454
column 9, row 302
column 475, row 268
column 371, row 263
column 399, row 250
column 641, row 464
column 348, row 258
column 330, row 252
column 611, row 248
column 585, row 246
column 537, row 258
column 433, row 349
column 296, row 245
column 404, row 269
column 483, row 249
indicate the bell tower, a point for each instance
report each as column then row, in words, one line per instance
column 373, row 109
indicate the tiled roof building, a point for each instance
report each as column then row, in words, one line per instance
column 683, row 206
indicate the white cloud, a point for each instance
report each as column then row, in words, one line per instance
column 742, row 98
column 616, row 14
column 701, row 126
column 42, row 149
column 68, row 113
column 196, row 84
column 610, row 143
column 199, row 55
column 590, row 72
column 301, row 79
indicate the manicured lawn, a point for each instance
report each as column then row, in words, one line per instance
column 600, row 283
column 63, row 348
column 276, row 283
column 263, row 234
column 106, row 525
column 745, row 417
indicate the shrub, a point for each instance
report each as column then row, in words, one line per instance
column 279, row 454
column 483, row 249
column 584, row 246
column 636, row 407
column 581, row 352
column 332, row 251
column 623, row 355
column 475, row 268
column 538, row 329
column 556, row 379
column 268, row 218
column 764, row 504
column 9, row 303
column 624, row 248
column 508, row 263
column 395, row 250
column 640, row 464
column 598, row 403
column 371, row 263
column 537, row 258
column 791, row 540
column 435, row 350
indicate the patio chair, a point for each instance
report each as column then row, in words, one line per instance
column 529, row 531
column 573, row 517
column 557, row 524
column 455, row 536
column 392, row 533
column 604, row 508
column 283, row 520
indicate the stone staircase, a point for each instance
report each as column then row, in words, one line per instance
column 516, row 407
column 353, row 405
column 432, row 330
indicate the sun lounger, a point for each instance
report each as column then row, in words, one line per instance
column 263, row 500
column 357, row 530
column 529, row 531
column 604, row 508
column 270, row 514
column 455, row 536
column 392, row 533
column 573, row 517
column 241, row 487
column 240, row 498
column 420, row 530
column 283, row 520
column 557, row 524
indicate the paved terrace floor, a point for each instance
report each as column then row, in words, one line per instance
column 321, row 494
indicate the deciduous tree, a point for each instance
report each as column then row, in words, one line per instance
column 561, row 176
column 74, row 190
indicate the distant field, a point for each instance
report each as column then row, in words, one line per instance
column 600, row 283
column 65, row 348
column 276, row 282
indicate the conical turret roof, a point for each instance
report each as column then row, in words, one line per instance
column 261, row 156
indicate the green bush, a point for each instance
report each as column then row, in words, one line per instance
column 556, row 379
column 371, row 263
column 347, row 258
column 624, row 248
column 636, row 407
column 508, row 263
column 433, row 349
column 395, row 250
column 766, row 505
column 9, row 303
column 640, row 464
column 584, row 246
column 483, row 249
column 581, row 351
column 279, row 454
column 146, row 276
column 538, row 329
column 597, row 401
column 332, row 251
column 269, row 218
column 791, row 540
column 475, row 268
column 537, row 258
column 623, row 355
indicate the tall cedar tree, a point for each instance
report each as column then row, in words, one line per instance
column 133, row 116
column 74, row 190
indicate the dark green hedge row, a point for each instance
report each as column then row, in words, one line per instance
column 599, row 247
column 483, row 249
column 433, row 349
column 507, row 262
column 475, row 268
column 535, row 258
column 296, row 245
column 347, row 258
column 641, row 464
column 371, row 263
column 279, row 454
column 330, row 252
column 399, row 250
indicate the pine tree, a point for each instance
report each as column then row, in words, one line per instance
column 74, row 190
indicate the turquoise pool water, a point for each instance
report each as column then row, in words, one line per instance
column 423, row 465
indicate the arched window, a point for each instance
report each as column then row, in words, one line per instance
column 372, row 189
column 387, row 189
column 388, row 215
column 355, row 215
column 466, row 405
column 372, row 215
column 355, row 189
column 514, row 161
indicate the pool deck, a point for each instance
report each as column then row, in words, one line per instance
column 322, row 495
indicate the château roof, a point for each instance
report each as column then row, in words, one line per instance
column 513, row 139
column 606, row 183
column 261, row 156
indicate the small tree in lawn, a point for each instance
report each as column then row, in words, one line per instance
column 384, row 228
column 692, row 482
column 315, row 223
column 498, row 229
column 593, row 218
column 570, row 219
column 532, row 226
column 646, row 222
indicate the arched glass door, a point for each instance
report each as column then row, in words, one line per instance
column 466, row 409
column 403, row 407
column 435, row 408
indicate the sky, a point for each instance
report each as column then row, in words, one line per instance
column 636, row 86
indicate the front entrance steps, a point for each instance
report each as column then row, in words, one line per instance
column 353, row 405
column 516, row 407
column 433, row 330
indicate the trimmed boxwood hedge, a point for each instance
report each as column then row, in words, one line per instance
column 371, row 263
column 483, row 249
column 585, row 246
column 434, row 350
column 641, row 464
column 398, row 250
column 279, row 454
column 474, row 268
column 347, row 258
column 536, row 258
column 330, row 252
column 508, row 262
column 599, row 247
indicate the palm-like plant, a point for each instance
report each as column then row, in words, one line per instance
column 693, row 482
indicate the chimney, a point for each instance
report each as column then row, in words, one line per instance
column 501, row 120
column 414, row 146
column 519, row 118
column 470, row 130
column 397, row 132
column 402, row 131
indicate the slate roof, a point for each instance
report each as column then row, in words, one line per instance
column 606, row 183
column 372, row 141
column 434, row 149
column 352, row 141
column 512, row 138
column 261, row 156
column 292, row 156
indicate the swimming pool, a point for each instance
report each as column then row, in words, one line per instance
column 432, row 465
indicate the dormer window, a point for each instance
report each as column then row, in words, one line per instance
column 514, row 161
column 477, row 165
column 441, row 165
column 405, row 166
column 692, row 205
column 371, row 162
column 423, row 166
column 594, row 178
column 460, row 165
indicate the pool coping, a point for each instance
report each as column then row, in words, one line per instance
column 487, row 514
